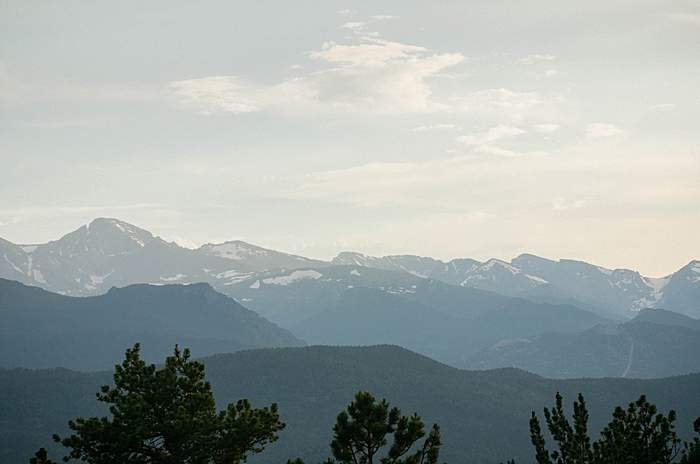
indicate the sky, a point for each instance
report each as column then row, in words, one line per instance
column 470, row 128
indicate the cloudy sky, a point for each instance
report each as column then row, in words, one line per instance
column 473, row 128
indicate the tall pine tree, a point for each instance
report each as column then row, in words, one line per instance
column 167, row 415
column 639, row 434
column 361, row 433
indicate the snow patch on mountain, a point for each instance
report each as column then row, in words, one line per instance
column 14, row 266
column 355, row 258
column 127, row 229
column 656, row 284
column 231, row 276
column 604, row 270
column 38, row 276
column 99, row 279
column 174, row 278
column 695, row 267
column 234, row 250
column 487, row 271
column 293, row 277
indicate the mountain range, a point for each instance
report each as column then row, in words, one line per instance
column 556, row 318
column 483, row 414
column 618, row 292
column 41, row 329
column 356, row 305
column 656, row 343
column 109, row 252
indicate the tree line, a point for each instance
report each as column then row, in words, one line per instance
column 168, row 415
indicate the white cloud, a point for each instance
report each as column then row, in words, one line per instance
column 368, row 75
column 432, row 127
column 355, row 25
column 507, row 182
column 440, row 183
column 550, row 73
column 222, row 93
column 505, row 103
column 370, row 52
column 602, row 129
column 537, row 58
column 372, row 76
column 546, row 128
column 491, row 135
column 506, row 153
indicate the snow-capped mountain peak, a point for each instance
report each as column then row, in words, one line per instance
column 257, row 257
column 695, row 268
column 110, row 228
column 236, row 250
column 500, row 276
column 354, row 258
column 109, row 252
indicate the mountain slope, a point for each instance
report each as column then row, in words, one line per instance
column 257, row 257
column 498, row 276
column 656, row 343
column 618, row 290
column 483, row 414
column 43, row 329
column 682, row 292
column 359, row 305
column 368, row 316
column 661, row 316
column 617, row 293
column 451, row 272
column 109, row 252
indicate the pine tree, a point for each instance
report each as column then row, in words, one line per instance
column 574, row 445
column 691, row 450
column 168, row 416
column 638, row 434
column 41, row 457
column 362, row 430
column 538, row 441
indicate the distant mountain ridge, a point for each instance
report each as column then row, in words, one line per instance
column 41, row 329
column 483, row 415
column 357, row 305
column 656, row 343
column 617, row 291
column 109, row 252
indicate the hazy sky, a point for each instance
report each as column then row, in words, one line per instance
column 452, row 128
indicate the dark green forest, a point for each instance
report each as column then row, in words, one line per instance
column 482, row 415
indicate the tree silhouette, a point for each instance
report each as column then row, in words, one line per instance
column 574, row 445
column 638, row 434
column 41, row 457
column 362, row 430
column 167, row 415
column 691, row 450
